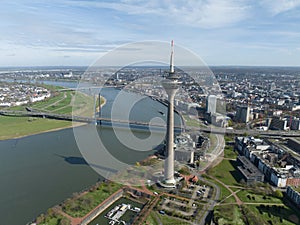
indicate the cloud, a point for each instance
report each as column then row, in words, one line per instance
column 195, row 13
column 215, row 13
column 84, row 48
column 280, row 6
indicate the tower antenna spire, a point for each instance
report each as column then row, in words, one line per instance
column 172, row 57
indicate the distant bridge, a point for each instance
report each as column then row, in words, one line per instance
column 142, row 124
column 82, row 119
column 88, row 88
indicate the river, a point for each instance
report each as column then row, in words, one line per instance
column 40, row 171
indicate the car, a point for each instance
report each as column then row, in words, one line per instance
column 162, row 212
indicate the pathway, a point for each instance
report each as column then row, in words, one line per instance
column 55, row 103
column 228, row 196
column 238, row 201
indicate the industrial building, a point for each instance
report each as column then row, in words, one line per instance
column 249, row 171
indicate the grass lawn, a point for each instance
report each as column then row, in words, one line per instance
column 226, row 172
column 231, row 199
column 229, row 153
column 224, row 191
column 191, row 122
column 84, row 204
column 256, row 214
column 63, row 110
column 60, row 104
column 228, row 214
column 213, row 142
column 235, row 189
column 228, row 138
column 278, row 215
column 12, row 127
column 52, row 219
column 151, row 219
column 248, row 196
column 63, row 103
column 43, row 105
column 84, row 105
column 168, row 220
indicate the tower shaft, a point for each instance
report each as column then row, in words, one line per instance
column 169, row 162
column 171, row 85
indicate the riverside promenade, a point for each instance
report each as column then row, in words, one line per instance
column 93, row 213
column 102, row 206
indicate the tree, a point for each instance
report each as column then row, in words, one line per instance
column 64, row 221
column 278, row 194
column 230, row 123
column 184, row 170
column 184, row 184
column 40, row 219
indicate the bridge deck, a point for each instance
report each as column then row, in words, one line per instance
column 99, row 120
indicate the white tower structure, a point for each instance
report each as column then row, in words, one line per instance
column 171, row 85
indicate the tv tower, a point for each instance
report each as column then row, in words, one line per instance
column 171, row 85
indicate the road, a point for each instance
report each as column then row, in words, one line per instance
column 223, row 131
column 211, row 202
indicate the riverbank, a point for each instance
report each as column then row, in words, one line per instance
column 18, row 127
column 45, row 126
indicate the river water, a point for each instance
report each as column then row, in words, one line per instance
column 40, row 171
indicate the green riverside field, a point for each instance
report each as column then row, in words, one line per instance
column 14, row 127
column 59, row 103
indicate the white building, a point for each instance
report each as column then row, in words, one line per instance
column 211, row 104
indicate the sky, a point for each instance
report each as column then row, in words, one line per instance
column 221, row 32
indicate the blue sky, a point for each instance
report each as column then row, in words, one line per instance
column 221, row 32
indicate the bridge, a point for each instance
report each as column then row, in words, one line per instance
column 82, row 119
column 143, row 124
column 89, row 88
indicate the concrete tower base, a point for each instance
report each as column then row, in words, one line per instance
column 170, row 181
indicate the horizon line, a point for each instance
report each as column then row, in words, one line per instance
column 61, row 66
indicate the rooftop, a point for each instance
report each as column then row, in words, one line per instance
column 248, row 169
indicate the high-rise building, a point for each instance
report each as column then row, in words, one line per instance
column 171, row 85
column 211, row 104
column 295, row 125
column 243, row 114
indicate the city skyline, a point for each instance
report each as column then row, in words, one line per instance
column 68, row 32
